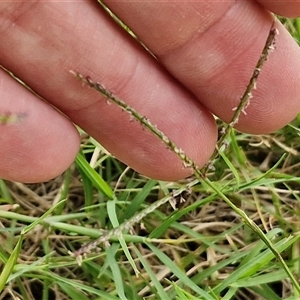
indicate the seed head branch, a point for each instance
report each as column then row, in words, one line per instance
column 188, row 162
column 246, row 97
column 127, row 225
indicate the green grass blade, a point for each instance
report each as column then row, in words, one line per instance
column 4, row 192
column 42, row 218
column 10, row 264
column 111, row 209
column 72, row 291
column 80, row 286
column 94, row 177
column 261, row 279
column 138, row 200
column 232, row 168
column 88, row 190
column 117, row 274
column 254, row 266
column 159, row 288
column 179, row 273
column 267, row 293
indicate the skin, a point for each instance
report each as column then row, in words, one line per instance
column 206, row 53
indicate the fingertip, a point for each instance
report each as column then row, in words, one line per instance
column 37, row 142
column 32, row 152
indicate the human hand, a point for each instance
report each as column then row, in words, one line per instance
column 207, row 49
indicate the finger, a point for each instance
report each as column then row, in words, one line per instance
column 37, row 143
column 48, row 40
column 282, row 7
column 213, row 49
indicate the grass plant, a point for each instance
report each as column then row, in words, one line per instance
column 102, row 231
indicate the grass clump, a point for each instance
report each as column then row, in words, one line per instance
column 228, row 234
